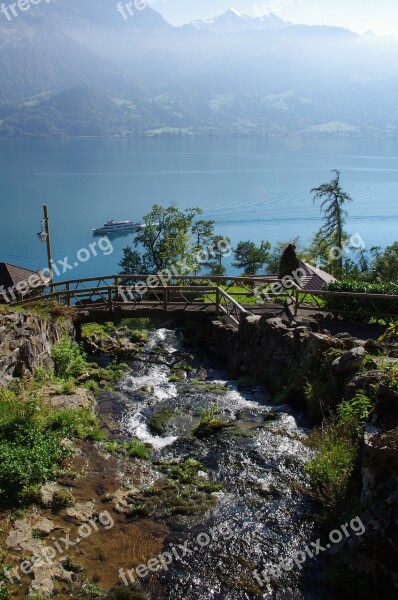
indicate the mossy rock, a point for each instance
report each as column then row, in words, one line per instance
column 160, row 419
column 247, row 382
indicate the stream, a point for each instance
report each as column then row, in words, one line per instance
column 261, row 467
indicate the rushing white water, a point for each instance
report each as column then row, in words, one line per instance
column 260, row 463
column 154, row 378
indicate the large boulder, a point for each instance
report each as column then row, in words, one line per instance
column 350, row 361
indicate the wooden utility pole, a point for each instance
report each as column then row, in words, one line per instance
column 48, row 239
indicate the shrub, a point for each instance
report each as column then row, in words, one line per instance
column 69, row 361
column 31, row 456
column 358, row 307
column 353, row 415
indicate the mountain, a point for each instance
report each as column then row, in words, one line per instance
column 233, row 22
column 73, row 67
column 80, row 111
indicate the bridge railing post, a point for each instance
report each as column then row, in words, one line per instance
column 110, row 300
column 218, row 300
column 165, row 298
column 68, row 296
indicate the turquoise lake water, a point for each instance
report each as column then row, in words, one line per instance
column 256, row 189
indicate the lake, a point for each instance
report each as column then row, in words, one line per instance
column 256, row 189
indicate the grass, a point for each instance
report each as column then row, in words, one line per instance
column 97, row 330
column 240, row 294
column 336, row 459
column 48, row 309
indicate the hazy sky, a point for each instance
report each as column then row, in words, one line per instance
column 380, row 16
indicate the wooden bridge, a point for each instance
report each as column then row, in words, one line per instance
column 121, row 296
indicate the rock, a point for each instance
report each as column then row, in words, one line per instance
column 44, row 526
column 373, row 348
column 347, row 339
column 81, row 511
column 80, row 398
column 350, row 361
column 379, row 459
column 26, row 343
column 47, row 492
column 121, row 497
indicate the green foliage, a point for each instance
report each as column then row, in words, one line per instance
column 337, row 448
column 30, row 452
column 4, row 582
column 331, row 469
column 209, row 423
column 50, row 310
column 166, row 237
column 131, row 263
column 333, row 199
column 203, row 233
column 135, row 448
column 251, row 258
column 81, row 423
column 98, row 330
column 68, row 358
column 139, row 335
column 385, row 264
column 358, row 307
column 353, row 415
column 187, row 472
column 320, row 398
column 34, row 440
column 217, row 254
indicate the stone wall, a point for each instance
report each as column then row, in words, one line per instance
column 270, row 349
column 26, row 342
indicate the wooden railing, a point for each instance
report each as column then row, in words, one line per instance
column 219, row 293
column 114, row 292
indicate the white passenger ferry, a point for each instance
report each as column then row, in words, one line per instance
column 112, row 227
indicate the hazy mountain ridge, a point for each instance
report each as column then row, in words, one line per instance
column 257, row 76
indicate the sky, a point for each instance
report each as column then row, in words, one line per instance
column 380, row 16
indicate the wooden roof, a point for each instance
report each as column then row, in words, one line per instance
column 10, row 275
